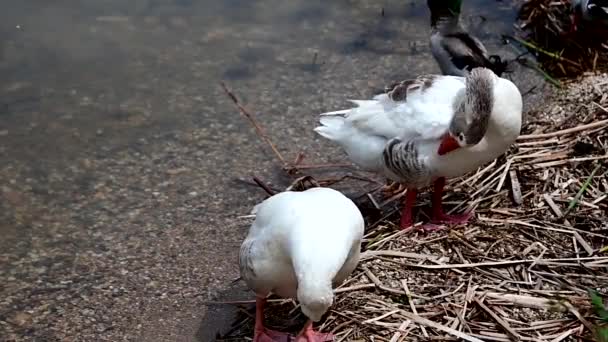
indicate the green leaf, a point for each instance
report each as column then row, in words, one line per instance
column 598, row 306
column 602, row 334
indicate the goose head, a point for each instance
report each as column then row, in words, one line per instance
column 315, row 300
column 473, row 108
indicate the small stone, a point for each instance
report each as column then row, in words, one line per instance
column 178, row 22
column 101, row 327
column 151, row 20
column 177, row 171
column 86, row 163
column 13, row 197
column 41, row 270
column 20, row 318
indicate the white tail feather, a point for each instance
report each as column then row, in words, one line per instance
column 358, row 103
column 337, row 112
column 332, row 127
column 256, row 208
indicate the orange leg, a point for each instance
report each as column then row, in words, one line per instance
column 391, row 189
column 438, row 216
column 309, row 335
column 407, row 219
column 261, row 333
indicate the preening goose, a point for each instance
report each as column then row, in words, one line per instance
column 425, row 130
column 301, row 245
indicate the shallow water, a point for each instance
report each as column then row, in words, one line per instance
column 118, row 148
column 158, row 57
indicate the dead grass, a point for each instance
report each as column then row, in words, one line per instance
column 545, row 30
column 519, row 272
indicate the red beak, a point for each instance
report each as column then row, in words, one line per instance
column 448, row 144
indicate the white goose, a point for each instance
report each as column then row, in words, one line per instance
column 301, row 245
column 424, row 130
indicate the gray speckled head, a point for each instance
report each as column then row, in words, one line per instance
column 459, row 122
column 474, row 107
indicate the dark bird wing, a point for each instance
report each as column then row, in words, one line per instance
column 468, row 52
column 598, row 9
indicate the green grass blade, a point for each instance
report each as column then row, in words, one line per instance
column 580, row 193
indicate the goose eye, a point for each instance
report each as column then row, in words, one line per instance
column 461, row 137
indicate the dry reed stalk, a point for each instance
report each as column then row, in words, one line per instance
column 511, row 273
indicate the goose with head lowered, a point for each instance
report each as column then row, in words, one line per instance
column 425, row 130
column 456, row 51
column 301, row 245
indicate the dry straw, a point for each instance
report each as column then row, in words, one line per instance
column 519, row 272
column 545, row 29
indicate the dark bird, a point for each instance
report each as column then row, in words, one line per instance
column 455, row 50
